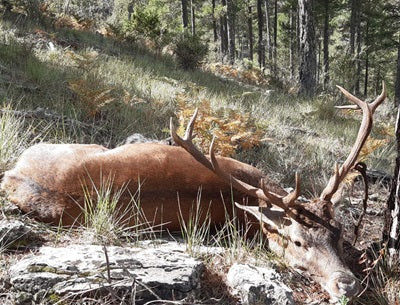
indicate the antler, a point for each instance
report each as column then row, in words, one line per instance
column 368, row 110
column 283, row 202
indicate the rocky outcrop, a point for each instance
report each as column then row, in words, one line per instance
column 255, row 285
column 163, row 272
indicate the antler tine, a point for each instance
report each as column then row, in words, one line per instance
column 379, row 100
column 186, row 142
column 290, row 198
column 363, row 133
column 332, row 185
column 373, row 104
column 190, row 126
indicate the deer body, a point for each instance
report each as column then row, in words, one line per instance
column 48, row 181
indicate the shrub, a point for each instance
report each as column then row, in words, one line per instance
column 190, row 51
column 145, row 23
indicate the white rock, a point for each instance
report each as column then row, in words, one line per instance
column 167, row 272
column 257, row 285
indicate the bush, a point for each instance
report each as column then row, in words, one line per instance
column 145, row 23
column 190, row 51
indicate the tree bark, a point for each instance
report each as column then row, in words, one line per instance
column 392, row 217
column 223, row 33
column 366, row 61
column 231, row 30
column 397, row 84
column 214, row 22
column 292, row 48
column 308, row 60
column 268, row 30
column 353, row 17
column 366, row 72
column 193, row 18
column 275, row 48
column 358, row 55
column 326, row 44
column 260, row 52
column 185, row 16
column 250, row 31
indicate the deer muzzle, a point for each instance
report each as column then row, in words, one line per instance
column 342, row 283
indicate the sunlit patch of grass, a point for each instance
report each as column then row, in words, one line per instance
column 15, row 137
column 195, row 230
column 111, row 215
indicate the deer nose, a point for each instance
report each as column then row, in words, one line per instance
column 342, row 283
column 347, row 285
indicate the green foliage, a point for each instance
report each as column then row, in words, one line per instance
column 190, row 51
column 145, row 23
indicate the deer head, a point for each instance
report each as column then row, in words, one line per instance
column 306, row 234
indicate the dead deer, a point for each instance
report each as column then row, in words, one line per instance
column 48, row 178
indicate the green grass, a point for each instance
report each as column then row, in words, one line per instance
column 111, row 216
column 15, row 137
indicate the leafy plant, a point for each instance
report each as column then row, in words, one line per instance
column 234, row 130
column 190, row 51
column 144, row 23
column 92, row 95
column 250, row 75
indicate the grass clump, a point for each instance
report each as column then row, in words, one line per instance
column 15, row 137
column 196, row 229
column 109, row 216
column 383, row 280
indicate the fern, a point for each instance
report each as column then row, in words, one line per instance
column 235, row 131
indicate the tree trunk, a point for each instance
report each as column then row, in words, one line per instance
column 326, row 45
column 231, row 30
column 358, row 55
column 392, row 217
column 353, row 24
column 268, row 30
column 292, row 48
column 250, row 31
column 185, row 16
column 193, row 18
column 260, row 52
column 130, row 11
column 275, row 37
column 366, row 72
column 214, row 22
column 224, row 33
column 308, row 60
column 397, row 84
column 319, row 68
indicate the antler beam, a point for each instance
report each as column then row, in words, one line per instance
column 368, row 110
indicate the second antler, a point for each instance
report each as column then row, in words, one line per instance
column 368, row 110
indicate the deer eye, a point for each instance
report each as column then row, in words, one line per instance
column 297, row 243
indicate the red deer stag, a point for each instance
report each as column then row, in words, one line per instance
column 47, row 183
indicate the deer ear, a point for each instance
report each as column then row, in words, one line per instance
column 273, row 217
